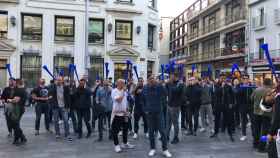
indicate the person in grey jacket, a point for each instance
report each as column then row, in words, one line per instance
column 206, row 110
column 104, row 102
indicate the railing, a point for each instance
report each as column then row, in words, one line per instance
column 199, row 6
column 259, row 22
column 215, row 54
column 277, row 16
column 254, row 58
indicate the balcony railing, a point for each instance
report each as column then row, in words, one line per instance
column 227, row 21
column 277, row 16
column 259, row 22
column 199, row 6
column 255, row 58
column 215, row 54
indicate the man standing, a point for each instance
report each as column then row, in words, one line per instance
column 104, row 106
column 8, row 93
column 41, row 96
column 73, row 109
column 175, row 91
column 261, row 119
column 152, row 97
column 120, row 116
column 61, row 102
column 194, row 98
column 206, row 107
column 138, row 109
column 83, row 104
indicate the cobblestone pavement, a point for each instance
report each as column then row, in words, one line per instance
column 46, row 146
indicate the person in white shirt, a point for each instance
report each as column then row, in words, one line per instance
column 120, row 116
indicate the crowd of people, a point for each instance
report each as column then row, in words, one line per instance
column 194, row 106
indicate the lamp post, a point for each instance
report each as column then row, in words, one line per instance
column 87, row 59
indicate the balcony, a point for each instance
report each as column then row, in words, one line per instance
column 229, row 19
column 9, row 1
column 255, row 59
column 259, row 22
column 277, row 16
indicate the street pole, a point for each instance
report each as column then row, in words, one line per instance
column 87, row 60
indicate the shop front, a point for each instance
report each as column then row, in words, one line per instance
column 225, row 66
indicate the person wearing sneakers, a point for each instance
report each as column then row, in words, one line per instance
column 152, row 99
column 41, row 96
column 61, row 106
column 120, row 116
column 138, row 109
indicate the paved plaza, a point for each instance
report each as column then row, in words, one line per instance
column 46, row 146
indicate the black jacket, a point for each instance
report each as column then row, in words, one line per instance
column 83, row 98
column 175, row 92
column 8, row 93
column 227, row 95
column 66, row 94
column 193, row 94
column 275, row 117
column 138, row 108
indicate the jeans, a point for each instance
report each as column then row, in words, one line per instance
column 9, row 123
column 156, row 124
column 262, row 125
column 193, row 114
column 64, row 113
column 184, row 117
column 15, row 124
column 42, row 108
column 120, row 123
column 72, row 115
column 173, row 119
column 137, row 117
column 83, row 115
column 206, row 111
column 244, row 120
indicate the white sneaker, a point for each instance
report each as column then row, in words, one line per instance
column 118, row 149
column 135, row 136
column 127, row 146
column 152, row 153
column 147, row 135
column 167, row 154
column 243, row 138
column 120, row 134
column 202, row 130
column 60, row 122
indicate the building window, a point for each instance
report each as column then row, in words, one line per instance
column 3, row 24
column 61, row 65
column 194, row 30
column 152, row 3
column 96, row 31
column 96, row 69
column 121, row 71
column 64, row 28
column 30, row 69
column 261, row 14
column 260, row 42
column 235, row 39
column 233, row 11
column 31, row 27
column 124, row 32
column 151, row 34
column 150, row 67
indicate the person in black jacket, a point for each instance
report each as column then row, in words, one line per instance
column 275, row 126
column 8, row 93
column 61, row 104
column 223, row 106
column 194, row 98
column 73, row 108
column 83, row 104
column 175, row 92
column 138, row 109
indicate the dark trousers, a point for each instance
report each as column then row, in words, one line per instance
column 193, row 114
column 72, row 115
column 272, row 150
column 236, row 116
column 9, row 123
column 42, row 108
column 156, row 124
column 137, row 117
column 120, row 123
column 245, row 113
column 228, row 119
column 18, row 134
column 83, row 115
column 261, row 127
column 94, row 117
column 184, row 117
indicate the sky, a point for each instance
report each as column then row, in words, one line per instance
column 173, row 7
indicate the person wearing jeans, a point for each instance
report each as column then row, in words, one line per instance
column 120, row 116
column 60, row 101
column 41, row 96
column 175, row 91
column 153, row 93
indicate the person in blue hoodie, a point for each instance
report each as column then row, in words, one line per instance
column 152, row 96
